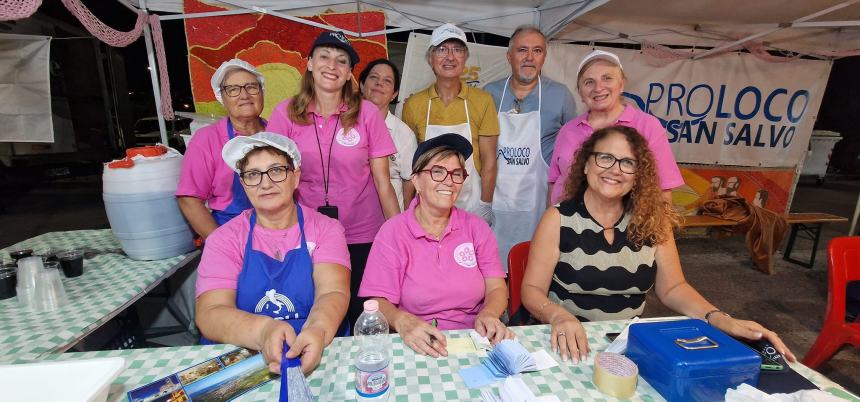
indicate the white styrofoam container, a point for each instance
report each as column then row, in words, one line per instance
column 69, row 380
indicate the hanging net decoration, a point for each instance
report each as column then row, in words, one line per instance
column 18, row 9
column 158, row 41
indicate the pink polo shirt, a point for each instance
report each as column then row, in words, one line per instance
column 204, row 174
column 431, row 278
column 221, row 263
column 351, row 188
column 575, row 132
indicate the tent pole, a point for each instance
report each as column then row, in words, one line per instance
column 772, row 30
column 153, row 74
column 854, row 219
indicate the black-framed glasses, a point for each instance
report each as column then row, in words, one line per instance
column 442, row 51
column 252, row 88
column 276, row 174
column 607, row 161
column 439, row 173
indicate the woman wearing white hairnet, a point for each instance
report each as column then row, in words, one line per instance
column 206, row 181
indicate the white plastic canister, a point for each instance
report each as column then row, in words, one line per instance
column 141, row 206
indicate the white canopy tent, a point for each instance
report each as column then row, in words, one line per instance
column 792, row 28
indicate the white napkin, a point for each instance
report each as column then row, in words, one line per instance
column 748, row 393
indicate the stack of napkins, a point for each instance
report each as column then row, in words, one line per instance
column 515, row 390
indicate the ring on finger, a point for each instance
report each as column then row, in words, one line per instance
column 560, row 334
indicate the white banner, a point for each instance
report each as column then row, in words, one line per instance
column 733, row 109
column 25, row 112
column 728, row 110
column 484, row 65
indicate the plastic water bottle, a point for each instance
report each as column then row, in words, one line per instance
column 374, row 354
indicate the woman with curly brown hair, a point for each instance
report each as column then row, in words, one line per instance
column 597, row 253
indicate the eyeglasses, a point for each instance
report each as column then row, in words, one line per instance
column 252, row 88
column 443, row 51
column 607, row 161
column 276, row 174
column 439, row 173
column 518, row 107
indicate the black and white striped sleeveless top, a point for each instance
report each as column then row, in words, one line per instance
column 594, row 280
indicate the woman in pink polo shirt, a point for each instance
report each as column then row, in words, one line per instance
column 277, row 274
column 206, row 182
column 434, row 266
column 345, row 145
column 600, row 84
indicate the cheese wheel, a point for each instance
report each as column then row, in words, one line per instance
column 615, row 375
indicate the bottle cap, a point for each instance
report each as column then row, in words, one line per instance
column 371, row 306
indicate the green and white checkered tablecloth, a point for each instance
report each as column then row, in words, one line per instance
column 111, row 281
column 414, row 377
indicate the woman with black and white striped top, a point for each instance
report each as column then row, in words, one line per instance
column 596, row 254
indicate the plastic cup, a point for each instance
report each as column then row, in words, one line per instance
column 28, row 271
column 50, row 293
column 26, row 296
column 47, row 253
column 72, row 262
column 21, row 253
column 8, row 283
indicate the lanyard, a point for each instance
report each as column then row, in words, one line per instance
column 326, row 174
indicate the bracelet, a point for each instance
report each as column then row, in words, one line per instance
column 708, row 314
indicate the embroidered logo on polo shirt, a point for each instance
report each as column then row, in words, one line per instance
column 349, row 139
column 464, row 255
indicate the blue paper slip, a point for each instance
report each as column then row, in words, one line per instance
column 507, row 358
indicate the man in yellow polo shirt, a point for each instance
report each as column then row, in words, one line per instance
column 452, row 106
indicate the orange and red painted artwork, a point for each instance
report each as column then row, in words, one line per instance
column 277, row 47
column 764, row 188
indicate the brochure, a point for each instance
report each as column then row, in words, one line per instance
column 222, row 378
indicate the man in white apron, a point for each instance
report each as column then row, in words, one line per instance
column 531, row 111
column 452, row 106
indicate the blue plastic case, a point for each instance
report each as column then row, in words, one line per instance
column 689, row 360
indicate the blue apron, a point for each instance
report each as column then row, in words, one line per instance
column 240, row 200
column 281, row 290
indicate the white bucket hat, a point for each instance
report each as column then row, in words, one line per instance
column 447, row 31
column 227, row 66
column 236, row 149
column 600, row 55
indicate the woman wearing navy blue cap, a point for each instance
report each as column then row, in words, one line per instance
column 345, row 145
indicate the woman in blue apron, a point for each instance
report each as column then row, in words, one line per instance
column 205, row 182
column 278, row 272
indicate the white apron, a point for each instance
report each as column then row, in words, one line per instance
column 470, row 194
column 519, row 199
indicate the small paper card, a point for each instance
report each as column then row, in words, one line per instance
column 459, row 346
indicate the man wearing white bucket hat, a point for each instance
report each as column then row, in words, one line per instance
column 532, row 109
column 206, row 183
column 452, row 106
column 600, row 83
column 279, row 272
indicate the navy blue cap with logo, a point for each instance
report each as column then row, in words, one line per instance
column 338, row 40
column 451, row 140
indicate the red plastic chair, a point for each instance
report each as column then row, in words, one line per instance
column 844, row 268
column 517, row 258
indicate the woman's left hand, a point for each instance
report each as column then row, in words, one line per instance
column 750, row 330
column 309, row 345
column 492, row 328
